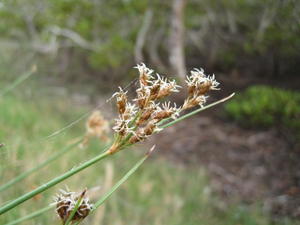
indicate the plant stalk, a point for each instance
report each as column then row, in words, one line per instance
column 51, row 183
column 196, row 111
column 32, row 215
column 34, row 169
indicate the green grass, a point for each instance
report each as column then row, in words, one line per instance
column 159, row 193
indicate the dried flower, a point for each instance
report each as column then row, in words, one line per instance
column 193, row 101
column 143, row 94
column 144, row 132
column 122, row 126
column 165, row 112
column 199, row 84
column 66, row 202
column 121, row 100
column 139, row 120
column 145, row 74
column 166, row 87
column 96, row 126
column 146, row 114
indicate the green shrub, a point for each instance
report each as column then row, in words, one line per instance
column 263, row 106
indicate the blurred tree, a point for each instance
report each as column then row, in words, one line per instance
column 89, row 38
column 176, row 48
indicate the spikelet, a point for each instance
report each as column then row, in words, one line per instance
column 199, row 85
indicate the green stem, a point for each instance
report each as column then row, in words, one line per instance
column 196, row 111
column 34, row 169
column 78, row 203
column 98, row 203
column 123, row 179
column 32, row 215
column 51, row 183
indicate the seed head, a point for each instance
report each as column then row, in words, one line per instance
column 130, row 111
column 166, row 111
column 143, row 94
column 199, row 84
column 145, row 74
column 193, row 101
column 66, row 202
column 146, row 114
column 122, row 126
column 138, row 121
column 144, row 132
column 121, row 100
column 166, row 87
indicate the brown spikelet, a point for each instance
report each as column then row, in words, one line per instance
column 154, row 91
column 163, row 93
column 149, row 129
column 145, row 116
column 162, row 115
column 65, row 203
column 204, row 87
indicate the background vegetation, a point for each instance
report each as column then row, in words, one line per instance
column 85, row 49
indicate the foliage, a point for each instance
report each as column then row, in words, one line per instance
column 160, row 193
column 93, row 37
column 266, row 106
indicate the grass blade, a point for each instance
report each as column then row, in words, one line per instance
column 121, row 181
column 51, row 183
column 34, row 169
column 97, row 204
column 32, row 215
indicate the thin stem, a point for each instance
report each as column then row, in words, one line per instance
column 34, row 169
column 121, row 181
column 98, row 203
column 196, row 111
column 32, row 215
column 78, row 203
column 51, row 183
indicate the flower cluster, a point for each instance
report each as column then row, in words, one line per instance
column 65, row 203
column 199, row 85
column 140, row 118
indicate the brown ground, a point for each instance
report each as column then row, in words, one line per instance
column 243, row 164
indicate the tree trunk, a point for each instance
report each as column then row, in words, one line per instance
column 177, row 56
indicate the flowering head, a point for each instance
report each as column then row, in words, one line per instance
column 66, row 202
column 140, row 119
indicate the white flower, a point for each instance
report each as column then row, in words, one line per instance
column 214, row 83
column 198, row 79
column 119, row 94
column 145, row 73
